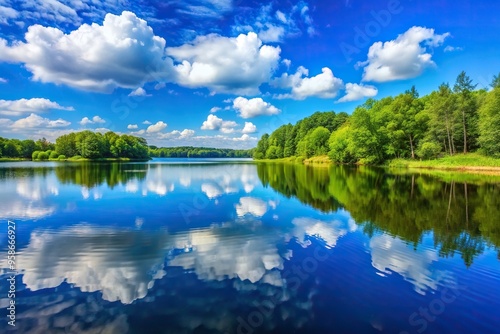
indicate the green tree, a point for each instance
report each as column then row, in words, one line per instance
column 44, row 145
column 429, row 150
column 28, row 146
column 489, row 123
column 340, row 145
column 262, row 146
column 289, row 149
column 495, row 83
column 440, row 107
column 466, row 106
column 10, row 150
column 318, row 140
column 273, row 152
column 66, row 145
column 88, row 145
column 370, row 135
column 43, row 156
column 407, row 124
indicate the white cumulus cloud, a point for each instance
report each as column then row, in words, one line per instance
column 324, row 85
column 355, row 92
column 245, row 137
column 236, row 65
column 132, row 126
column 36, row 121
column 254, row 107
column 159, row 126
column 139, row 92
column 35, row 105
column 249, row 128
column 176, row 134
column 215, row 123
column 403, row 58
column 94, row 120
column 122, row 52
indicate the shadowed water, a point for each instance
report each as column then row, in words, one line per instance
column 210, row 246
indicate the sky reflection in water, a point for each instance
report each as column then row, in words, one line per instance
column 163, row 248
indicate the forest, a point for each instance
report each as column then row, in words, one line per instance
column 448, row 121
column 197, row 152
column 92, row 145
column 77, row 145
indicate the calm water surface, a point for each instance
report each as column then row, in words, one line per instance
column 204, row 246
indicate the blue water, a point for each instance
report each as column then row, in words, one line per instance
column 217, row 246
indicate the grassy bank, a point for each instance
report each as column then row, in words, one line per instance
column 13, row 159
column 471, row 162
column 285, row 160
column 79, row 159
column 319, row 160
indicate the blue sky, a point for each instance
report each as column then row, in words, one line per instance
column 221, row 73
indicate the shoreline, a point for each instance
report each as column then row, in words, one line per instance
column 459, row 163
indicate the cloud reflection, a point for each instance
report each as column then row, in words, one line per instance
column 329, row 232
column 390, row 254
column 251, row 205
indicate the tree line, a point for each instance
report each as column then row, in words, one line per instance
column 84, row 144
column 450, row 120
column 197, row 152
column 92, row 145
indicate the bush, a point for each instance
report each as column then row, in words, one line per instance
column 62, row 157
column 53, row 155
column 258, row 155
column 43, row 156
column 34, row 155
column 273, row 152
column 429, row 150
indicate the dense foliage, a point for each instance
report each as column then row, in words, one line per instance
column 450, row 120
column 92, row 145
column 197, row 152
column 307, row 138
column 85, row 144
column 15, row 148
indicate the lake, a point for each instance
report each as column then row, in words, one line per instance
column 218, row 246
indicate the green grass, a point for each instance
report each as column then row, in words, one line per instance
column 105, row 159
column 288, row 160
column 318, row 160
column 471, row 161
column 80, row 159
column 13, row 159
column 450, row 175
